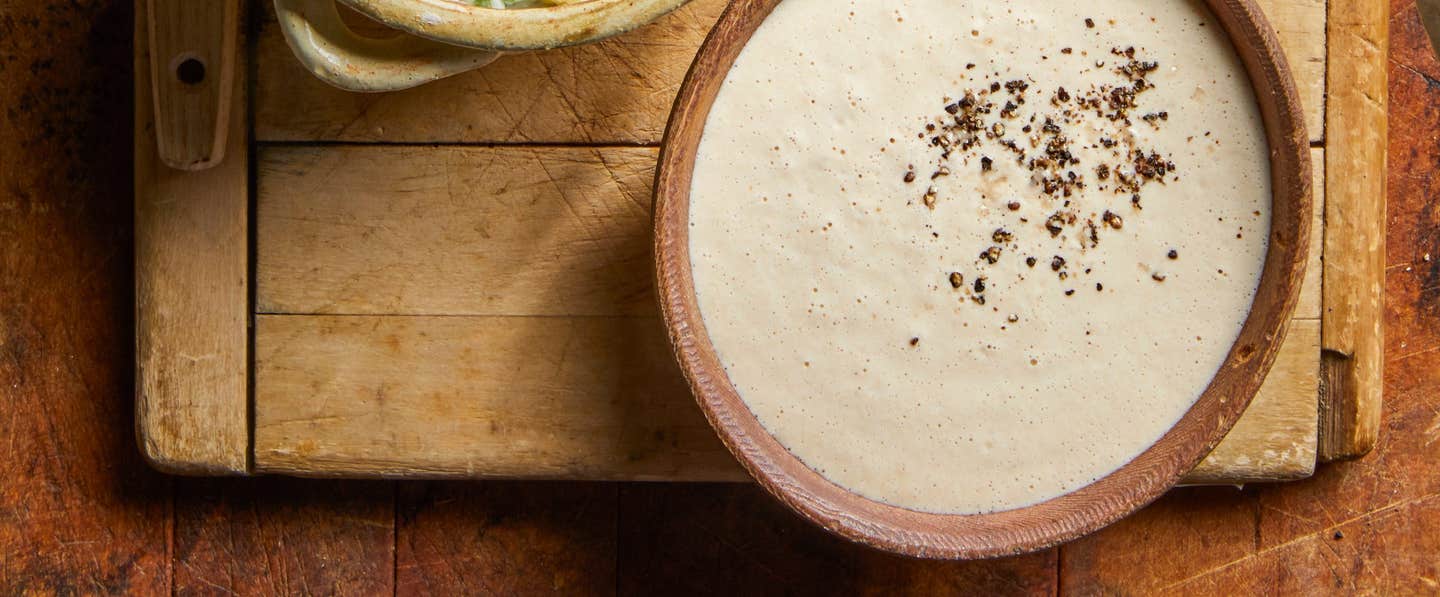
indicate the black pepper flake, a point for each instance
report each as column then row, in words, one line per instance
column 1090, row 23
column 1055, row 224
column 914, row 341
column 1057, row 263
column 1173, row 254
column 1158, row 277
column 1055, row 170
column 1112, row 220
column 991, row 255
column 1070, row 292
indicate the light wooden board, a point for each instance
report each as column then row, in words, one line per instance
column 377, row 267
column 1354, row 333
column 524, row 397
column 455, row 231
column 191, row 295
column 616, row 91
column 488, row 312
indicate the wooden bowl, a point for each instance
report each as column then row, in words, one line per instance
column 1047, row 523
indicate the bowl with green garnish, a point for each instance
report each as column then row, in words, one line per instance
column 438, row 38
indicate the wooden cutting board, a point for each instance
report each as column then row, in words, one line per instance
column 454, row 281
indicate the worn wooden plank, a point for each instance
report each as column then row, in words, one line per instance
column 191, row 296
column 455, row 231
column 80, row 513
column 1311, row 291
column 1275, row 439
column 1300, row 25
column 616, row 91
column 686, row 539
column 284, row 537
column 506, row 538
column 1354, row 344
column 525, row 397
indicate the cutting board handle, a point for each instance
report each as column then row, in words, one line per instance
column 192, row 71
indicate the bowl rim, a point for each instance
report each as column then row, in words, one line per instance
column 1051, row 522
column 464, row 24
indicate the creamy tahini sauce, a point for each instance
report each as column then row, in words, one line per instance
column 824, row 280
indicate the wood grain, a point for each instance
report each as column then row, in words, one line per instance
column 191, row 297
column 1047, row 523
column 1275, row 439
column 506, row 538
column 1300, row 26
column 519, row 397
column 689, row 539
column 193, row 78
column 455, row 231
column 80, row 513
column 283, row 537
column 1311, row 290
column 616, row 91
column 1352, row 367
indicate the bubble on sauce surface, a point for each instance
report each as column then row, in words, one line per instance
column 864, row 411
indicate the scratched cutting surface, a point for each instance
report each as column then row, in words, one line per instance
column 83, row 514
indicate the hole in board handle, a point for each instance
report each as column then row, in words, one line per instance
column 189, row 69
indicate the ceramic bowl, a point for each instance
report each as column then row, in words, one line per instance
column 1029, row 528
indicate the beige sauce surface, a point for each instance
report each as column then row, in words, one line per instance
column 828, row 283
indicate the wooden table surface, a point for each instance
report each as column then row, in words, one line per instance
column 80, row 512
